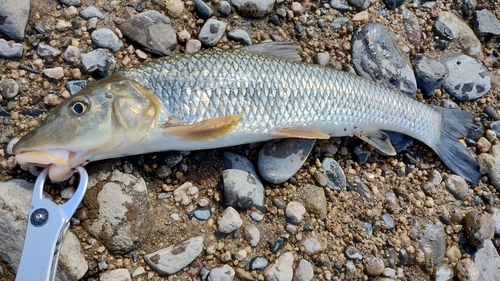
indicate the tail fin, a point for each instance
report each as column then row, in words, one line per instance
column 456, row 124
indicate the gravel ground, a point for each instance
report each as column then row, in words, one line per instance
column 405, row 217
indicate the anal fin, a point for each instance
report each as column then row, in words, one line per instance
column 379, row 140
column 294, row 133
column 209, row 129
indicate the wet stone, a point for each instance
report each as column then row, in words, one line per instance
column 253, row 8
column 230, row 220
column 242, row 189
column 9, row 88
column 486, row 24
column 335, row 174
column 71, row 54
column 202, row 9
column 175, row 257
column 372, row 48
column 74, row 86
column 13, row 18
column 211, row 32
column 98, row 61
column 48, row 52
column 223, row 273
column 239, row 35
column 144, row 27
column 279, row 160
column 257, row 263
column 91, row 12
column 430, row 73
column 467, row 80
column 106, row 38
column 9, row 49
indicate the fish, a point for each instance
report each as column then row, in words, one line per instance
column 217, row 98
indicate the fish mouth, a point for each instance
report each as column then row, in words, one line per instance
column 62, row 163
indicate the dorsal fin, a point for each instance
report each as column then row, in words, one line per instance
column 282, row 50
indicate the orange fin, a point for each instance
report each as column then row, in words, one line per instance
column 205, row 130
column 294, row 133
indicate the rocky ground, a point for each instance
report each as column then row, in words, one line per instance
column 303, row 210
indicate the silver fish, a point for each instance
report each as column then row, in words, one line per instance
column 225, row 98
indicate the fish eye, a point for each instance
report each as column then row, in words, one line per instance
column 79, row 107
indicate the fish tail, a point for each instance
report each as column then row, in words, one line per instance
column 456, row 124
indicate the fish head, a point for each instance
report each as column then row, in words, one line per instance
column 102, row 121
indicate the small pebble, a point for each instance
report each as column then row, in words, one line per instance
column 229, row 221
column 373, row 266
column 91, row 12
column 9, row 88
column 295, row 212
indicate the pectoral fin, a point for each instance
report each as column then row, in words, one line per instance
column 205, row 130
column 293, row 133
column 379, row 140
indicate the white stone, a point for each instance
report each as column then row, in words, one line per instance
column 121, row 274
column 304, row 271
column 295, row 212
column 281, row 269
column 223, row 273
column 230, row 220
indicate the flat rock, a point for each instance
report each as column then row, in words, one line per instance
column 339, row 5
column 281, row 269
column 48, row 52
column 487, row 261
column 152, row 30
column 15, row 200
column 412, row 28
column 462, row 34
column 361, row 4
column 242, row 189
column 106, row 38
column 376, row 57
column 10, row 49
column 430, row 73
column 467, row 78
column 99, row 61
column 56, row 73
column 14, row 17
column 433, row 242
column 279, row 160
column 253, row 8
column 118, row 208
column 175, row 257
column 486, row 24
column 211, row 32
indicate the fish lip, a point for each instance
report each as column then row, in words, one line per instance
column 48, row 157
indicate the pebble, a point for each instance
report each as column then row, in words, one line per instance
column 55, row 73
column 483, row 145
column 492, row 113
column 467, row 78
column 67, row 193
column 313, row 243
column 411, row 25
column 314, row 200
column 183, row 36
column 335, row 174
column 496, row 220
column 14, row 17
column 295, row 212
column 75, row 3
column 211, row 32
column 389, row 222
column 279, row 160
column 339, row 5
column 322, row 58
column 376, row 57
column 151, row 30
column 495, row 166
column 441, row 30
column 74, row 86
column 457, row 186
column 120, row 205
column 202, row 214
column 361, row 4
column 429, row 73
column 138, row 271
column 239, row 35
column 223, row 273
column 467, row 270
column 281, row 269
column 253, row 8
column 252, row 234
column 351, row 269
column 9, row 49
column 486, row 24
column 444, row 272
column 63, row 25
column 224, row 8
column 373, row 266
column 363, row 190
column 15, row 200
column 186, row 193
column 193, row 46
column 99, row 61
column 175, row 257
column 121, row 274
column 478, row 226
column 352, row 253
column 463, row 35
column 432, row 243
column 48, row 52
column 106, row 38
column 230, row 220
column 468, row 7
column 71, row 54
column 238, row 162
column 304, row 271
column 339, row 22
column 91, row 12
column 257, row 216
column 257, row 263
column 487, row 261
column 203, row 11
column 242, row 189
column 9, row 88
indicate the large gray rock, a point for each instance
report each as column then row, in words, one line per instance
column 467, row 78
column 376, row 57
column 118, row 209
column 15, row 201
column 151, row 30
column 14, row 17
column 175, row 257
column 486, row 24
